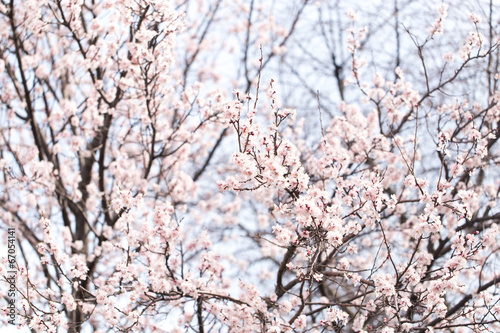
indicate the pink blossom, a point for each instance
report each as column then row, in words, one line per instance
column 300, row 322
column 475, row 18
column 449, row 57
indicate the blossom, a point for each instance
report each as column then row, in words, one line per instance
column 101, row 297
column 300, row 322
column 384, row 284
column 68, row 301
column 154, row 202
column 318, row 277
column 438, row 26
column 359, row 323
column 475, row 18
column 443, row 9
column 283, row 235
column 449, row 57
column 351, row 15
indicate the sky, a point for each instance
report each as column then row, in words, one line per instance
column 14, row 329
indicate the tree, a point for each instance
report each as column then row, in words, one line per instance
column 147, row 195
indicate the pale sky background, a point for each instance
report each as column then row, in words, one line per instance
column 13, row 329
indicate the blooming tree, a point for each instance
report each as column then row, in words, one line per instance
column 159, row 180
